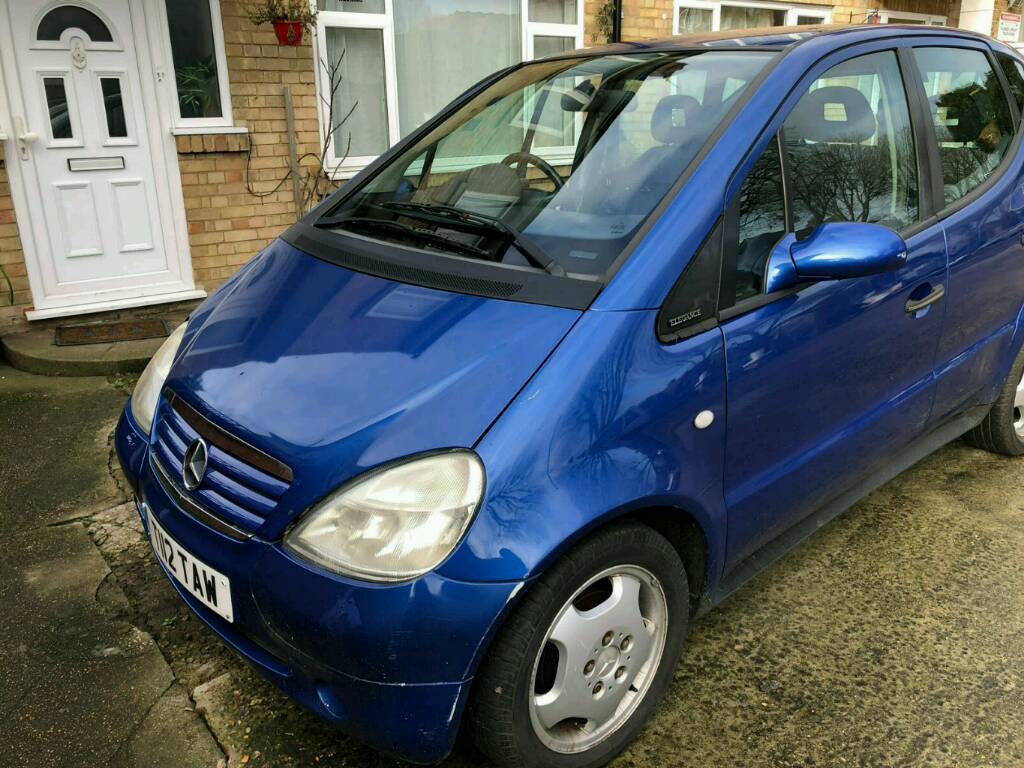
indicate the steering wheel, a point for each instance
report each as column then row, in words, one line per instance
column 528, row 158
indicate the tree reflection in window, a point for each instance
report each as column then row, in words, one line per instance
column 850, row 148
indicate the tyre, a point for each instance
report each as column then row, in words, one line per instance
column 1002, row 431
column 582, row 661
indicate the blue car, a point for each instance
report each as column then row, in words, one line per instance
column 473, row 443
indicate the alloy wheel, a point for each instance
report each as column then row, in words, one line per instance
column 598, row 659
column 1018, row 410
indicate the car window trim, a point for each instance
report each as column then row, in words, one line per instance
column 926, row 146
column 1007, row 90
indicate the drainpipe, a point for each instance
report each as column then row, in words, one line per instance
column 617, row 22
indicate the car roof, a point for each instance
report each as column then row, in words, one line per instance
column 780, row 38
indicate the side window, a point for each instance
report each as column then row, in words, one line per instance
column 850, row 147
column 971, row 114
column 762, row 221
column 1014, row 71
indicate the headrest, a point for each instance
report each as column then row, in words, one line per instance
column 965, row 111
column 612, row 100
column 673, row 118
column 836, row 113
column 579, row 98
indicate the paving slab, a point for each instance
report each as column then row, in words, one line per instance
column 54, row 447
column 80, row 684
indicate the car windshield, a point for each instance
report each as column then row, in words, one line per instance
column 554, row 166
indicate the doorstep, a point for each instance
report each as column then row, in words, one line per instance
column 35, row 351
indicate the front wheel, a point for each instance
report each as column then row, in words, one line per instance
column 1002, row 431
column 580, row 664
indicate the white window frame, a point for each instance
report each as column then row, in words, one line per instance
column 168, row 78
column 349, row 20
column 534, row 29
column 385, row 22
column 823, row 12
column 929, row 20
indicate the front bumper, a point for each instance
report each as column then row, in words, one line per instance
column 391, row 664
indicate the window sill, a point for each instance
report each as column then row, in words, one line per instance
column 209, row 130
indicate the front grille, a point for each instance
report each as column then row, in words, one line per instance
column 241, row 486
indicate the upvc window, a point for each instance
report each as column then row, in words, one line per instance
column 705, row 16
column 196, row 74
column 906, row 17
column 401, row 61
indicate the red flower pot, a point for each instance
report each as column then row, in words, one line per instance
column 289, row 32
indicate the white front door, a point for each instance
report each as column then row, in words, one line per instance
column 96, row 189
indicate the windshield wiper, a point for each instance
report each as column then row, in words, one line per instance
column 480, row 222
column 404, row 230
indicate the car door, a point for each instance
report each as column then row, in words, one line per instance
column 980, row 195
column 826, row 381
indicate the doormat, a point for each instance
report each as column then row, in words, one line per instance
column 104, row 333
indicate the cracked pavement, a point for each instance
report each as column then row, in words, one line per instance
column 80, row 683
column 894, row 637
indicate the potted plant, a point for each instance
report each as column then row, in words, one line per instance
column 289, row 17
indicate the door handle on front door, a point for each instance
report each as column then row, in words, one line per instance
column 24, row 136
column 917, row 305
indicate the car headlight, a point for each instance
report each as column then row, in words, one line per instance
column 394, row 524
column 147, row 391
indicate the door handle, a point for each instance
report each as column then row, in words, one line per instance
column 24, row 136
column 916, row 305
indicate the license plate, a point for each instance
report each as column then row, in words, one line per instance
column 206, row 585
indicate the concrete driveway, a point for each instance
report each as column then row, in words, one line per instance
column 895, row 637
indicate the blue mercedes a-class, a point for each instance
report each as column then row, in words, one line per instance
column 474, row 441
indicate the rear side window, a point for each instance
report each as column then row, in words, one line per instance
column 850, row 147
column 971, row 115
column 1014, row 71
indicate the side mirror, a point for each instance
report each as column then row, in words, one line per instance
column 835, row 251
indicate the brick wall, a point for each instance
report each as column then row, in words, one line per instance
column 11, row 258
column 227, row 223
column 857, row 11
column 646, row 18
column 591, row 34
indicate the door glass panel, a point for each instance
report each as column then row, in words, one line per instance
column 1014, row 71
column 553, row 11
column 113, row 106
column 695, row 20
column 850, row 147
column 195, row 58
column 762, row 221
column 65, row 17
column 971, row 116
column 352, row 6
column 57, row 107
column 742, row 17
column 360, row 108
